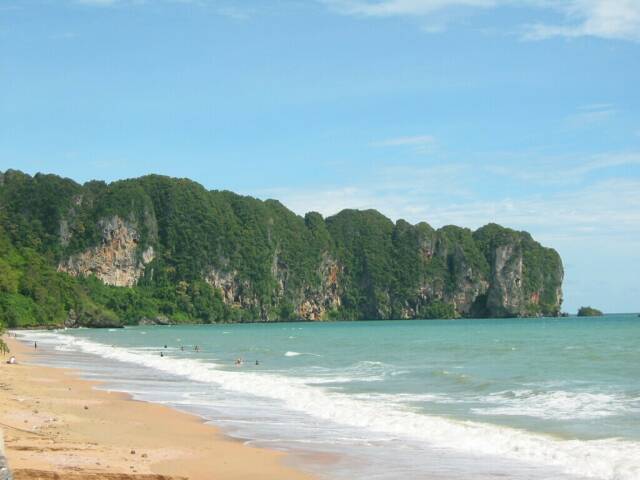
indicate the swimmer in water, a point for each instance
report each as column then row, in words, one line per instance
column 161, row 354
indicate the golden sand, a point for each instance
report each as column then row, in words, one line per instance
column 57, row 426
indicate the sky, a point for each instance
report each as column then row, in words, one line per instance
column 520, row 112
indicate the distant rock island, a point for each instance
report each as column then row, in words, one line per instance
column 589, row 312
column 166, row 250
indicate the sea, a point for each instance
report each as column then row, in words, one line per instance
column 544, row 398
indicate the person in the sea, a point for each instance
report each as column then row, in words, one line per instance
column 239, row 361
column 165, row 346
column 182, row 348
column 257, row 362
column 196, row 348
column 12, row 360
column 35, row 345
column 162, row 354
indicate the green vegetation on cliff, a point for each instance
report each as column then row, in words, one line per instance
column 589, row 312
column 162, row 248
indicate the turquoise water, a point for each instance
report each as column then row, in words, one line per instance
column 521, row 398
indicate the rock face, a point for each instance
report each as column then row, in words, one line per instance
column 228, row 283
column 524, row 278
column 316, row 303
column 457, row 282
column 117, row 261
column 313, row 301
column 506, row 294
column 236, row 292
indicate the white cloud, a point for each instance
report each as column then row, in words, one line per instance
column 235, row 12
column 97, row 3
column 221, row 8
column 399, row 141
column 564, row 171
column 385, row 8
column 612, row 19
column 396, row 191
column 607, row 208
column 422, row 144
column 590, row 115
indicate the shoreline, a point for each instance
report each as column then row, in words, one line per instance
column 56, row 423
column 301, row 320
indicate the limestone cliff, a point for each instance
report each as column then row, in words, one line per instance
column 312, row 301
column 525, row 278
column 179, row 252
column 118, row 260
column 319, row 301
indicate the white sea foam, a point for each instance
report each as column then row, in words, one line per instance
column 403, row 399
column 363, row 371
column 340, row 379
column 557, row 405
column 297, row 354
column 608, row 459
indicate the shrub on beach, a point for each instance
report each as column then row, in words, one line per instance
column 4, row 349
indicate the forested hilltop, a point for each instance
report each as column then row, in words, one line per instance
column 160, row 249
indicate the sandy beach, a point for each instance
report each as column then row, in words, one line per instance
column 57, row 426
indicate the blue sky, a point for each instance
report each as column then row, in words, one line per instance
column 526, row 113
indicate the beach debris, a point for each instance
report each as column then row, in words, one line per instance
column 86, row 408
column 144, row 455
column 133, row 452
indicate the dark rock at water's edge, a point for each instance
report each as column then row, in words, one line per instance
column 5, row 473
column 159, row 320
column 166, row 250
column 589, row 312
column 99, row 319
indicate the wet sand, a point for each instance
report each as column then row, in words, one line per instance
column 58, row 426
